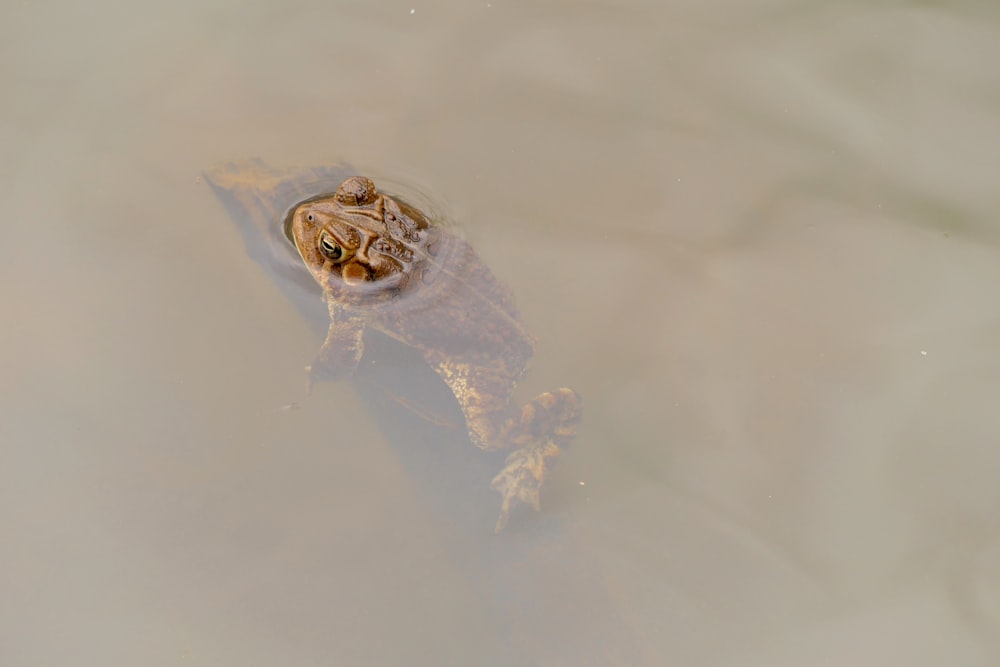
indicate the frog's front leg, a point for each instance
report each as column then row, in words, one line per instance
column 341, row 351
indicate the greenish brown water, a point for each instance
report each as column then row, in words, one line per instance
column 759, row 238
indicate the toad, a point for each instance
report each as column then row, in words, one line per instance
column 382, row 264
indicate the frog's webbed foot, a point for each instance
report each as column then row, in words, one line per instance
column 543, row 425
column 330, row 367
column 341, row 351
column 523, row 474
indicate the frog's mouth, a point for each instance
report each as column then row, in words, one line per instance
column 354, row 273
column 358, row 277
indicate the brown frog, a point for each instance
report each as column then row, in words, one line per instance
column 382, row 264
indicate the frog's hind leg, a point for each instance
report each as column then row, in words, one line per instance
column 538, row 432
column 484, row 394
column 553, row 415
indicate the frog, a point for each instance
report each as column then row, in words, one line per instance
column 384, row 265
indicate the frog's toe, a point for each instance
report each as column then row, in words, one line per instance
column 523, row 474
column 310, row 380
column 527, row 496
column 316, row 373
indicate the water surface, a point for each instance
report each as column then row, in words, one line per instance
column 759, row 238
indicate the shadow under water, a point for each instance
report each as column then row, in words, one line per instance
column 538, row 587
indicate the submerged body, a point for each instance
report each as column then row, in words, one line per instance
column 381, row 264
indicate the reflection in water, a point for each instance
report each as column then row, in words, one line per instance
column 758, row 239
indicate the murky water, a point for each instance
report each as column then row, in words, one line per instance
column 759, row 238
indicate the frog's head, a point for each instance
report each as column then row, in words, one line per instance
column 358, row 238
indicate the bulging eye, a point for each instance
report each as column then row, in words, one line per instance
column 310, row 217
column 356, row 191
column 330, row 248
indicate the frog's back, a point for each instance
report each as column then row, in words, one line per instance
column 457, row 306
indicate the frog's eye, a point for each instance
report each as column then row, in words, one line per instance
column 310, row 217
column 356, row 191
column 330, row 248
